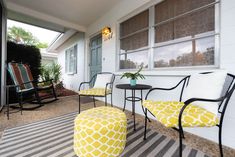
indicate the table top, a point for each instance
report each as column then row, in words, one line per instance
column 136, row 87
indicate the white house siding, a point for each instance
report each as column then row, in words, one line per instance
column 163, row 78
column 47, row 57
column 72, row 81
column 48, row 60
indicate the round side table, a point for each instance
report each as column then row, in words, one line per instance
column 133, row 98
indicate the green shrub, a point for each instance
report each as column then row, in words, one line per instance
column 51, row 71
column 25, row 54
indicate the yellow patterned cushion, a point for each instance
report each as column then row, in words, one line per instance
column 168, row 112
column 100, row 132
column 94, row 91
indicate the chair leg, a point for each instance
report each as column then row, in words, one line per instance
column 38, row 98
column 8, row 106
column 54, row 93
column 105, row 100
column 94, row 101
column 180, row 142
column 79, row 104
column 145, row 126
column 111, row 95
column 220, row 141
column 8, row 111
column 20, row 103
column 124, row 107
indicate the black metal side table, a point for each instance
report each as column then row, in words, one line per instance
column 133, row 98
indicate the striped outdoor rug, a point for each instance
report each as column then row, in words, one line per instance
column 54, row 138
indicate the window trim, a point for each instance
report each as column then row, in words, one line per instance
column 152, row 45
column 136, row 50
column 185, row 39
column 134, row 33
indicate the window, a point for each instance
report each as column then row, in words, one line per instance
column 173, row 33
column 71, row 60
column 134, row 35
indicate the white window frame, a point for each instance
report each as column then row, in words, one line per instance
column 152, row 44
column 68, row 62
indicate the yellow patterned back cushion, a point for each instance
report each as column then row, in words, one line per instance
column 95, row 91
column 100, row 132
column 168, row 112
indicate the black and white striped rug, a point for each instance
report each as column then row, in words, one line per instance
column 54, row 138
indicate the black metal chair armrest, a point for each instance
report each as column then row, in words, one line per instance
column 82, row 84
column 168, row 89
column 202, row 99
column 111, row 83
column 106, row 87
column 189, row 101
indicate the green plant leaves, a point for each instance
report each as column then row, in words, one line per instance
column 133, row 76
column 51, row 71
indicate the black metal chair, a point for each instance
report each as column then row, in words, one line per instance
column 100, row 85
column 223, row 101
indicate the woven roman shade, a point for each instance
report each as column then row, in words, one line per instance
column 134, row 32
column 179, row 18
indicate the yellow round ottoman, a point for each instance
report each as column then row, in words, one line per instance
column 101, row 132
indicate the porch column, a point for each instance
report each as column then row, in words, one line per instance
column 3, row 57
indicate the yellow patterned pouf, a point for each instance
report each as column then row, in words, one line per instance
column 100, row 132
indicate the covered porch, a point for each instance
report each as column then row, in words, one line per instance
column 170, row 40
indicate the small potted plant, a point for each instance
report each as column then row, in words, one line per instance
column 133, row 76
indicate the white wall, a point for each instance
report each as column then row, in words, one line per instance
column 168, row 78
column 72, row 81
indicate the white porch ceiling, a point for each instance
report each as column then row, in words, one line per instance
column 77, row 12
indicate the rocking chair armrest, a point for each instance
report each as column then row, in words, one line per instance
column 33, row 82
column 82, row 84
column 50, row 80
column 15, row 86
column 12, row 86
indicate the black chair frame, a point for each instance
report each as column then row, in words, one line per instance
column 35, row 91
column 223, row 102
column 49, row 87
column 91, row 84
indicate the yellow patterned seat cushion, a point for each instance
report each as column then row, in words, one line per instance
column 168, row 112
column 100, row 132
column 95, row 91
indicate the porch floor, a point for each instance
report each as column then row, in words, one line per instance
column 70, row 104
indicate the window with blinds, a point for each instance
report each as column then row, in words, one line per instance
column 134, row 36
column 71, row 60
column 182, row 33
